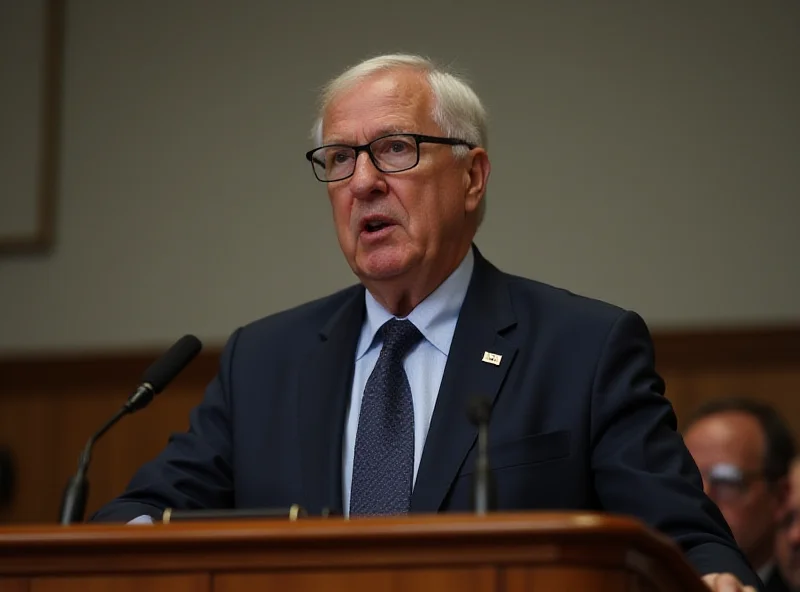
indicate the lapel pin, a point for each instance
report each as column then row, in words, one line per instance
column 491, row 358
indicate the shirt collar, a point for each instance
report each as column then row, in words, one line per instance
column 435, row 317
column 765, row 571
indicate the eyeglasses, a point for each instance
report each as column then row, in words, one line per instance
column 390, row 154
column 728, row 482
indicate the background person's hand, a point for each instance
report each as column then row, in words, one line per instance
column 725, row 582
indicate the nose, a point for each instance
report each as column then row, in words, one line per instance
column 367, row 181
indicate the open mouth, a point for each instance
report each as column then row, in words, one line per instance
column 375, row 226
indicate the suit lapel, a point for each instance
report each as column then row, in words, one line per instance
column 485, row 315
column 325, row 384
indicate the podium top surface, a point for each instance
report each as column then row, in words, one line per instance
column 532, row 538
column 531, row 525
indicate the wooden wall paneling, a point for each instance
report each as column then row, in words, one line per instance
column 50, row 407
column 763, row 363
column 779, row 387
column 29, row 427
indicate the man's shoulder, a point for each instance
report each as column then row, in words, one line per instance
column 548, row 304
column 302, row 321
column 313, row 314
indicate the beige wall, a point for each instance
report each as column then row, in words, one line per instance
column 648, row 155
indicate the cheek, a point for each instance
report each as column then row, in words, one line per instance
column 426, row 205
column 759, row 501
column 733, row 514
column 406, row 201
column 342, row 207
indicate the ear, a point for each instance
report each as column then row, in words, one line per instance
column 476, row 177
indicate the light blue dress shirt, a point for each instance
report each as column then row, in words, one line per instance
column 436, row 318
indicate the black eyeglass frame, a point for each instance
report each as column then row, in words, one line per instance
column 418, row 138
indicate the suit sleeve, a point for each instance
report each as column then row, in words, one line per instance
column 194, row 471
column 640, row 464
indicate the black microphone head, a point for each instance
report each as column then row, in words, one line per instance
column 169, row 365
column 479, row 410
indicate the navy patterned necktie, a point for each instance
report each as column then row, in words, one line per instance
column 383, row 461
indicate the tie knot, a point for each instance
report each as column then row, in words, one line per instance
column 399, row 336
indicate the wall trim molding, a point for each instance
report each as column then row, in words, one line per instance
column 724, row 348
column 756, row 347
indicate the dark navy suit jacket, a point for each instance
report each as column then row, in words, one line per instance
column 579, row 418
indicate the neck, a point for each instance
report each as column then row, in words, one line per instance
column 400, row 296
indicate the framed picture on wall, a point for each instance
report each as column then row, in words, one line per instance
column 31, row 41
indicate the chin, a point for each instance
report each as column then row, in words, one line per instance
column 381, row 265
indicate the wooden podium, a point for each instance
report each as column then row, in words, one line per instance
column 495, row 553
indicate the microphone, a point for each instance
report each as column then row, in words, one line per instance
column 155, row 379
column 483, row 491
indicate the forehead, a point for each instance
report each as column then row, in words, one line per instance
column 732, row 437
column 383, row 103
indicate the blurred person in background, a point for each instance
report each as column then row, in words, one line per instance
column 787, row 543
column 743, row 449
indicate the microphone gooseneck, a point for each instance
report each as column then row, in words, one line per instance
column 483, row 493
column 156, row 379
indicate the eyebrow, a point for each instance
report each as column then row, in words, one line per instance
column 395, row 129
column 384, row 131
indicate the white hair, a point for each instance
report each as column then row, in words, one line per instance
column 457, row 110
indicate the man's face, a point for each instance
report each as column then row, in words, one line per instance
column 787, row 542
column 729, row 451
column 426, row 213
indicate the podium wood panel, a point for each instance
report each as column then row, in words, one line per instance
column 14, row 585
column 168, row 583
column 421, row 580
column 522, row 579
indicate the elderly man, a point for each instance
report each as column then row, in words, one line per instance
column 787, row 543
column 743, row 449
column 357, row 402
